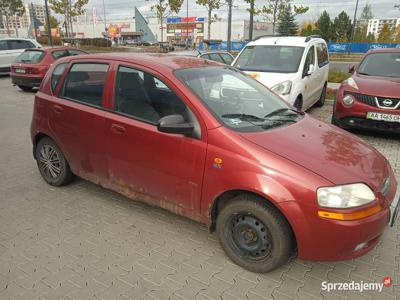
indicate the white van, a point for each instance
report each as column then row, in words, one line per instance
column 296, row 68
column 10, row 48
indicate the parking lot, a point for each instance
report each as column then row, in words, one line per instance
column 84, row 242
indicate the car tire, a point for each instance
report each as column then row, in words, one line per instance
column 254, row 234
column 52, row 164
column 298, row 104
column 25, row 88
column 321, row 100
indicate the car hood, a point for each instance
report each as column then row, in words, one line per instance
column 326, row 150
column 378, row 86
column 271, row 79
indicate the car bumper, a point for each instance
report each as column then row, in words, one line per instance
column 5, row 70
column 330, row 240
column 26, row 81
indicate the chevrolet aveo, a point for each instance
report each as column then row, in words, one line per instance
column 206, row 141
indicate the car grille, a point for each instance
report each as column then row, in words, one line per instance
column 381, row 102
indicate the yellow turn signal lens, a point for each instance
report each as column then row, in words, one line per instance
column 350, row 216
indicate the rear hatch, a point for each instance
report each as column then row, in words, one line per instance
column 28, row 62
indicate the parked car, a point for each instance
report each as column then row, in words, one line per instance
column 30, row 66
column 270, row 179
column 296, row 68
column 370, row 98
column 166, row 47
column 10, row 48
column 218, row 56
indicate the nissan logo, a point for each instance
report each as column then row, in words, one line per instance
column 387, row 102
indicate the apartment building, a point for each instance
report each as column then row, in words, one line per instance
column 375, row 25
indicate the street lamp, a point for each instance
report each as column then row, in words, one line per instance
column 48, row 23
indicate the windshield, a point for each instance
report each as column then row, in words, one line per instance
column 381, row 64
column 237, row 100
column 31, row 56
column 275, row 59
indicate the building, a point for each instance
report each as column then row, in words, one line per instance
column 24, row 21
column 375, row 25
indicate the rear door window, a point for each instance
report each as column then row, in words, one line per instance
column 55, row 77
column 227, row 58
column 59, row 53
column 322, row 54
column 20, row 44
column 30, row 57
column 310, row 60
column 216, row 57
column 85, row 83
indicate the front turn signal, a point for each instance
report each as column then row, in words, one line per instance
column 350, row 216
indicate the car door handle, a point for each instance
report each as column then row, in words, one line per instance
column 57, row 109
column 118, row 129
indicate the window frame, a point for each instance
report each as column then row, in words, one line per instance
column 60, row 90
column 20, row 40
column 325, row 54
column 7, row 46
column 60, row 79
column 304, row 73
column 158, row 77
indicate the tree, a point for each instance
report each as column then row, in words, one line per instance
column 397, row 5
column 273, row 9
column 342, row 27
column 385, row 34
column 324, row 26
column 397, row 37
column 69, row 10
column 308, row 28
column 210, row 5
column 287, row 23
column 53, row 23
column 366, row 13
column 9, row 8
column 361, row 30
column 370, row 38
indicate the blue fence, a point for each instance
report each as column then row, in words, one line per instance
column 332, row 47
column 358, row 47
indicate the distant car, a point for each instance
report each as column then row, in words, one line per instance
column 166, row 47
column 294, row 67
column 10, row 48
column 218, row 56
column 370, row 99
column 29, row 67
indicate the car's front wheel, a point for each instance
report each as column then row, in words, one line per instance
column 254, row 234
column 52, row 164
column 25, row 88
column 321, row 100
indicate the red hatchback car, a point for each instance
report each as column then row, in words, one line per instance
column 30, row 66
column 206, row 141
column 370, row 99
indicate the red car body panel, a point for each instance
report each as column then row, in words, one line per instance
column 376, row 86
column 35, row 72
column 181, row 174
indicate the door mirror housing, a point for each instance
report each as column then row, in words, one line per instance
column 352, row 68
column 175, row 124
column 311, row 69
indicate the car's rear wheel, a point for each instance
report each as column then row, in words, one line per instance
column 52, row 164
column 254, row 234
column 321, row 100
column 298, row 104
column 25, row 88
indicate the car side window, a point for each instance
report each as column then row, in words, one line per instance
column 85, row 83
column 310, row 60
column 216, row 57
column 227, row 58
column 60, row 53
column 20, row 44
column 3, row 45
column 75, row 52
column 322, row 54
column 55, row 77
column 205, row 56
column 142, row 96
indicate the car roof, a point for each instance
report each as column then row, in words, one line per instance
column 12, row 38
column 197, row 52
column 151, row 60
column 299, row 41
column 384, row 50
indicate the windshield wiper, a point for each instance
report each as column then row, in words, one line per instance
column 244, row 117
column 280, row 111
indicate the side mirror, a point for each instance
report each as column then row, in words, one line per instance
column 311, row 69
column 174, row 124
column 352, row 68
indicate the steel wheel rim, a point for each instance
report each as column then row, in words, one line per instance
column 250, row 237
column 50, row 162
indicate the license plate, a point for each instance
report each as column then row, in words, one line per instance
column 22, row 71
column 383, row 117
column 395, row 208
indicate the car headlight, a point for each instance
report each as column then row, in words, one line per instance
column 348, row 100
column 345, row 196
column 351, row 82
column 282, row 88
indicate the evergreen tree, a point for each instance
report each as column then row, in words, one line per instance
column 342, row 27
column 370, row 38
column 324, row 26
column 287, row 23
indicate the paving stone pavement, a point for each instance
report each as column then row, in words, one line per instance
column 84, row 242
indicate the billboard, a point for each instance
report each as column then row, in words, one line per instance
column 182, row 27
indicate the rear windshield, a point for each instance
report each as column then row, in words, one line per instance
column 30, row 56
column 381, row 64
column 275, row 59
